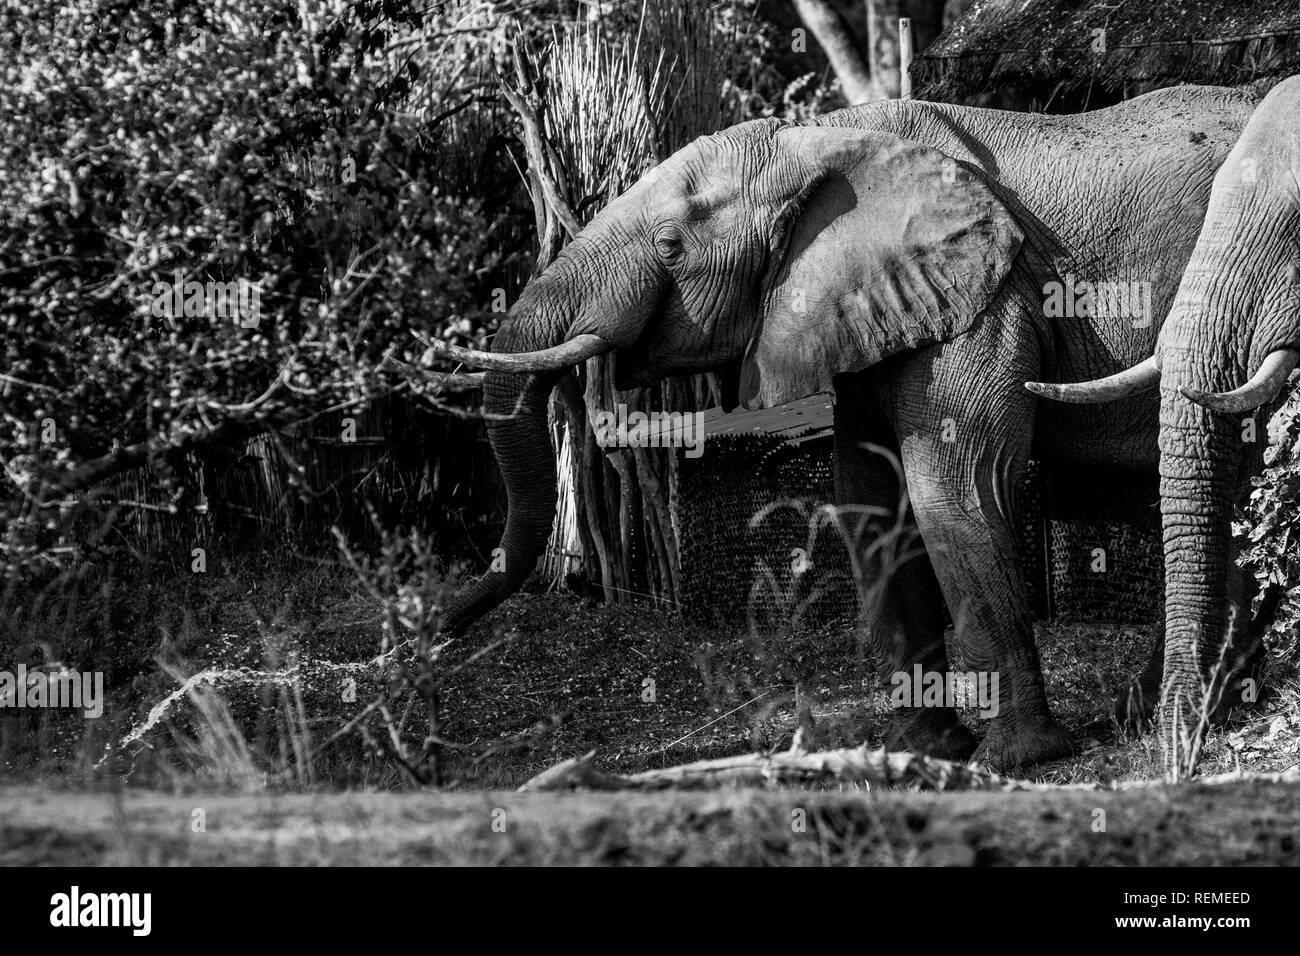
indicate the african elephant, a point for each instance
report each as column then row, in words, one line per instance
column 1236, row 316
column 899, row 254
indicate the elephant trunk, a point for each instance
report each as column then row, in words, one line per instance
column 515, row 406
column 576, row 309
column 1199, row 458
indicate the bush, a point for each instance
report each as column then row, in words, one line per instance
column 228, row 164
column 1272, row 527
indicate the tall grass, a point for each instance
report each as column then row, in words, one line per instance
column 620, row 99
column 614, row 95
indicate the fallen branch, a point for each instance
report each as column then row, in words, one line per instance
column 854, row 765
column 859, row 765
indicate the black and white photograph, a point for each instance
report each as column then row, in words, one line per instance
column 650, row 433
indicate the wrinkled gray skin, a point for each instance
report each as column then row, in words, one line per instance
column 1239, row 301
column 898, row 253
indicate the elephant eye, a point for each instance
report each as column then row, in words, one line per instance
column 668, row 243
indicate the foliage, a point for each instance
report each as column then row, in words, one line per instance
column 1272, row 531
column 220, row 145
column 347, row 167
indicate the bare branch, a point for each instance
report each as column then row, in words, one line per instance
column 877, row 768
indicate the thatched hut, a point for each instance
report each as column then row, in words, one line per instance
column 1089, row 52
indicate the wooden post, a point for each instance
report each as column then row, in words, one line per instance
column 904, row 58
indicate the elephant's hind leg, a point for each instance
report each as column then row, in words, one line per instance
column 906, row 626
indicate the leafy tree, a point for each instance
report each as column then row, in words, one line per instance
column 166, row 153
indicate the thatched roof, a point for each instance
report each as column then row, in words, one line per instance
column 1022, row 43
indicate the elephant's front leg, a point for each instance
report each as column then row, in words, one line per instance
column 905, row 628
column 964, row 423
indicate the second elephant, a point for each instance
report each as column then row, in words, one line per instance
column 1236, row 319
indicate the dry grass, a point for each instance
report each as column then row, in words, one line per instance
column 616, row 100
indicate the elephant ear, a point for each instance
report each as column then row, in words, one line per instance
column 887, row 245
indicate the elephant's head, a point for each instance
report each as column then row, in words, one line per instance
column 1235, row 319
column 787, row 254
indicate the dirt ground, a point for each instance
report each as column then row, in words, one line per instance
column 716, row 694
column 645, row 690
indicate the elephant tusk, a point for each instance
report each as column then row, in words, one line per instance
column 1260, row 390
column 456, row 381
column 1141, row 377
column 562, row 356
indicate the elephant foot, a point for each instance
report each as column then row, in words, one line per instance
column 1013, row 743
column 933, row 731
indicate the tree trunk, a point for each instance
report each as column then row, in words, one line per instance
column 841, row 48
column 868, row 70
